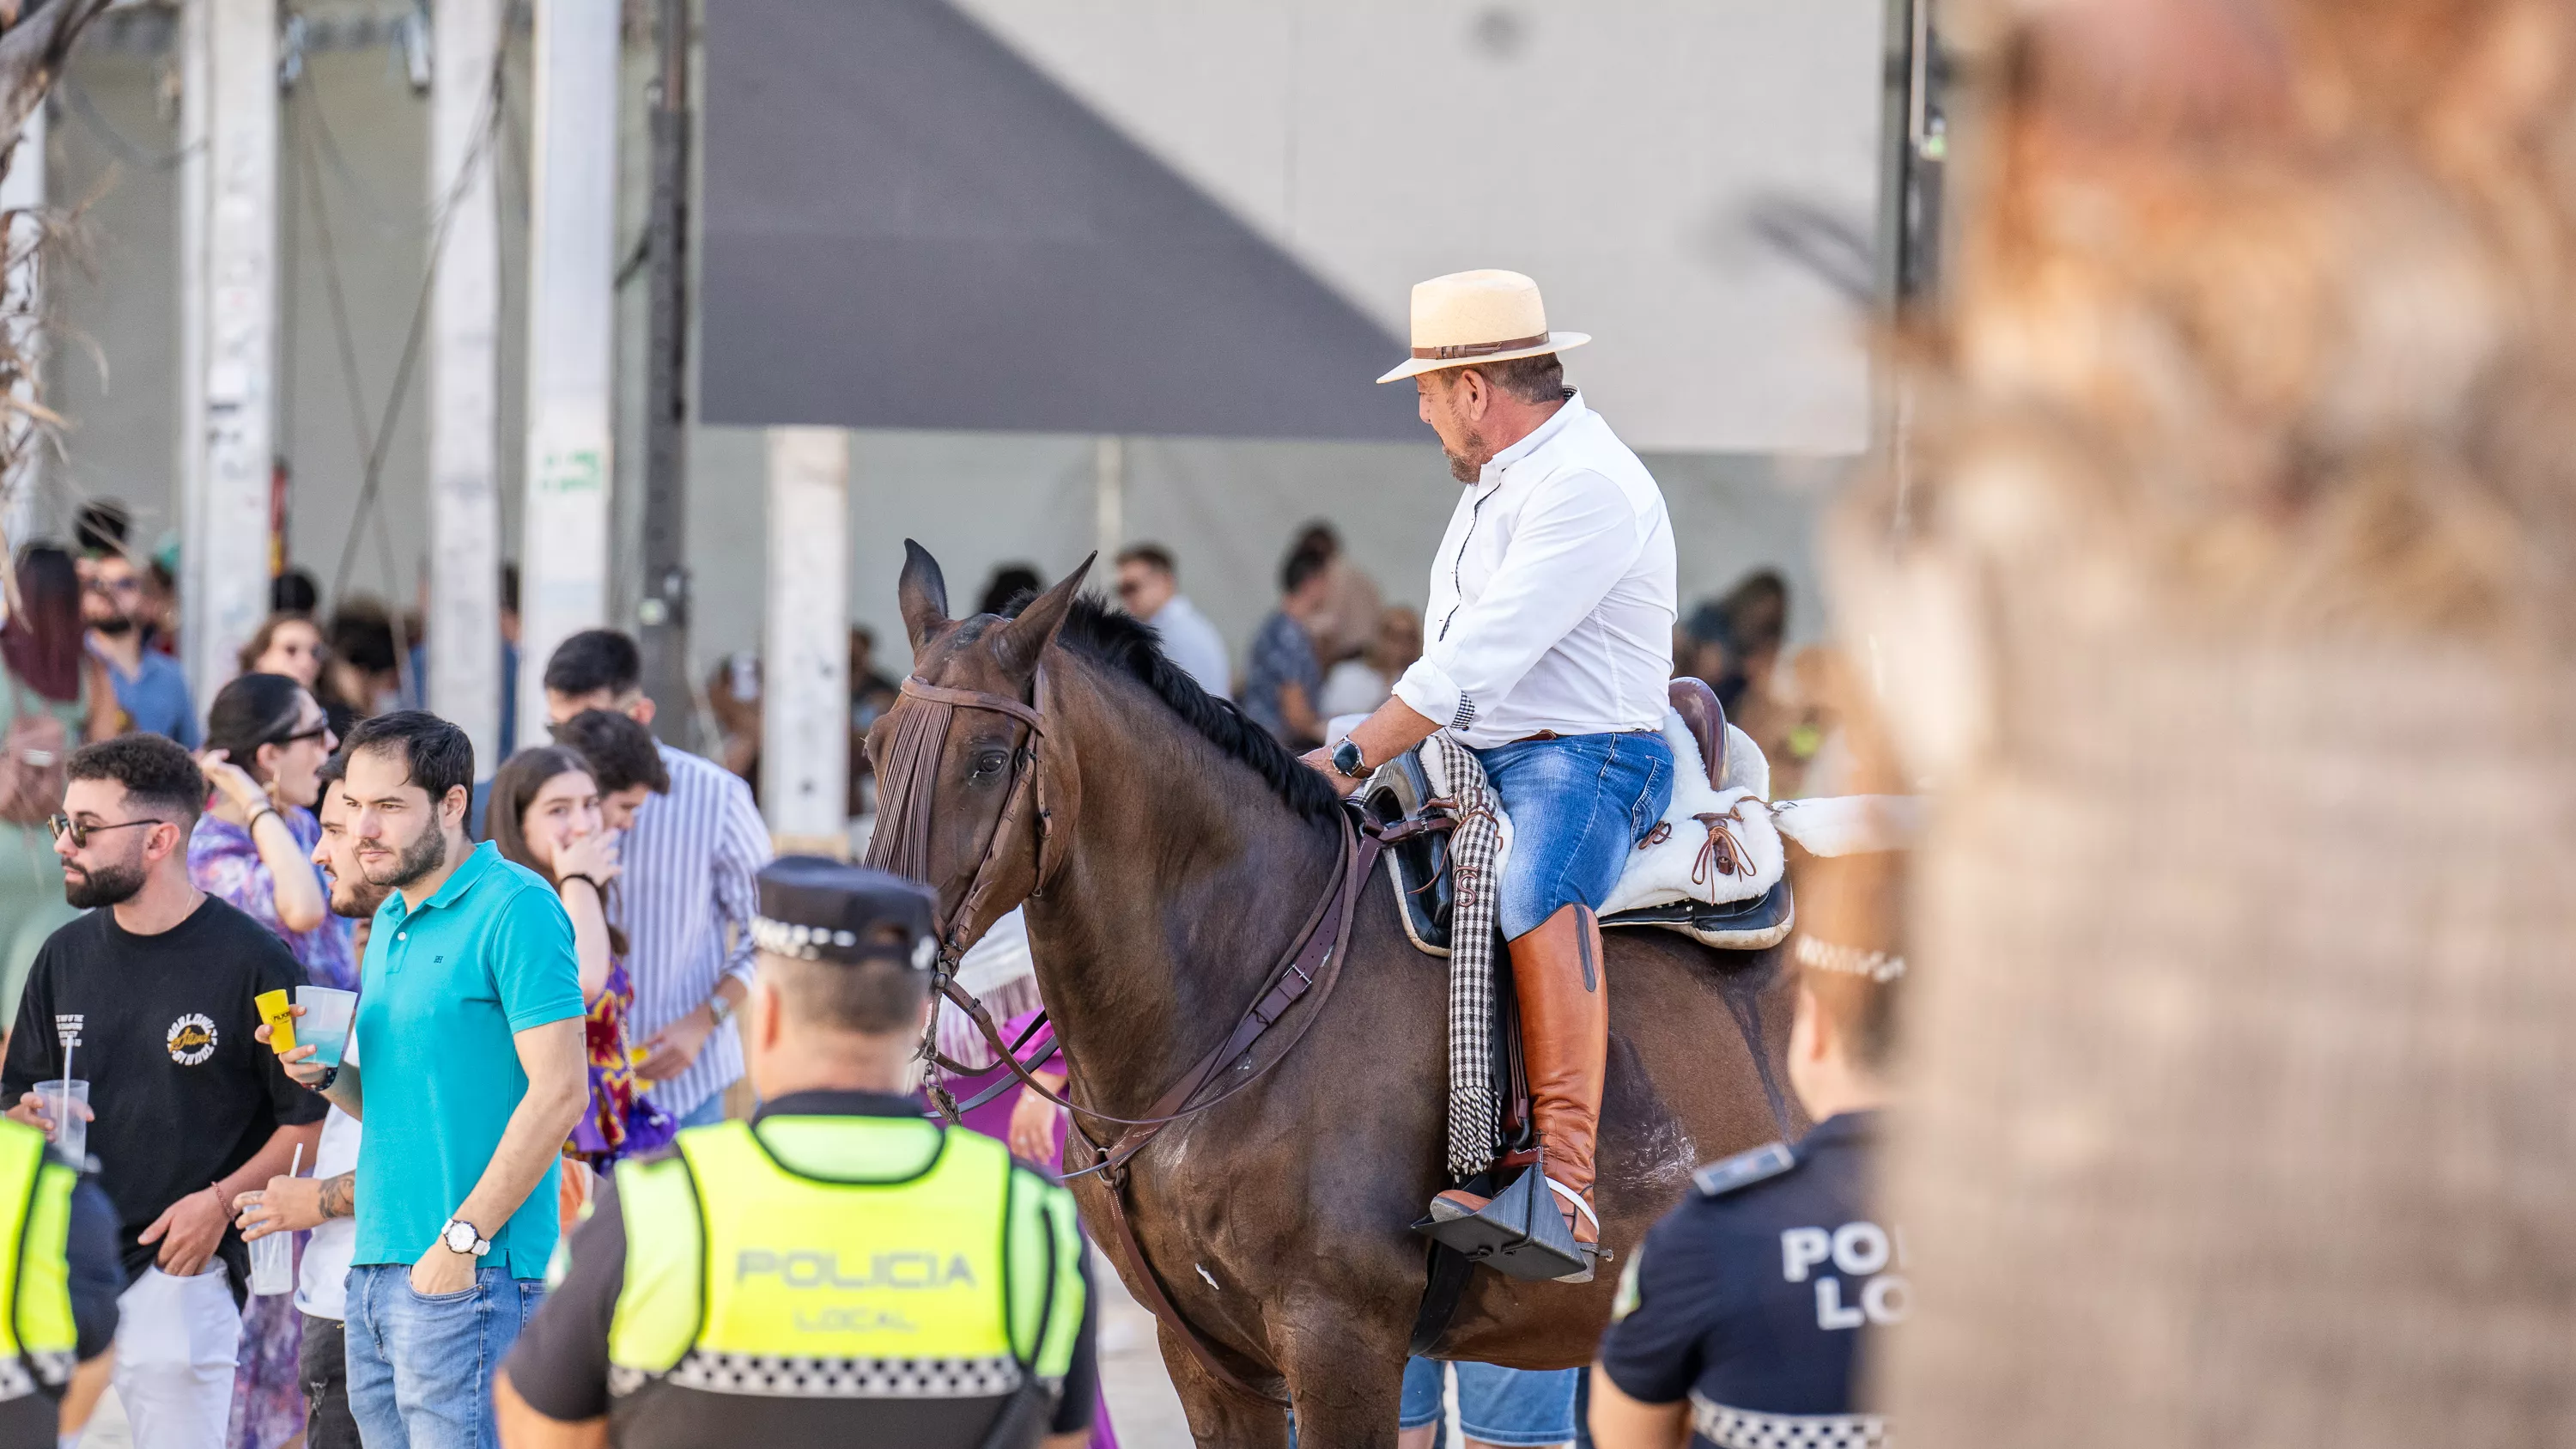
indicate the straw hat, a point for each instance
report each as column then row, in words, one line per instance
column 1466, row 318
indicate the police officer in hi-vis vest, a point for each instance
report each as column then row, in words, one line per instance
column 59, row 1281
column 1746, row 1318
column 839, row 1269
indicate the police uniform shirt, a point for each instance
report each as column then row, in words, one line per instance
column 561, row 1362
column 1758, row 1297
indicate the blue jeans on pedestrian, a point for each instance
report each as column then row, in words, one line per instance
column 421, row 1369
column 708, row 1112
column 1578, row 805
column 1496, row 1405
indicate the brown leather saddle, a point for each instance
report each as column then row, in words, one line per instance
column 1415, row 828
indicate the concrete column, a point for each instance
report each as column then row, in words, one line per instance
column 231, row 104
column 22, row 303
column 805, row 658
column 572, row 265
column 464, row 381
column 1109, row 495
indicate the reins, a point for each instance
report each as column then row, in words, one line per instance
column 1311, row 962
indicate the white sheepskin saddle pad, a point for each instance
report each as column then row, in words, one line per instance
column 1683, row 859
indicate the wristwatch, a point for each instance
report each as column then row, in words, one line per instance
column 461, row 1237
column 1348, row 760
column 719, row 1007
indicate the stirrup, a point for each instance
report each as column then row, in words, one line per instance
column 1518, row 1232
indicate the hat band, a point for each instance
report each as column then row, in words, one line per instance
column 1476, row 349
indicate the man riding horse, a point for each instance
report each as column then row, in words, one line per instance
column 1547, row 649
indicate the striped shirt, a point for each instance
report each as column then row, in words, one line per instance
column 690, row 868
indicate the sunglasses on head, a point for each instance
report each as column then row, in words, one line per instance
column 63, row 825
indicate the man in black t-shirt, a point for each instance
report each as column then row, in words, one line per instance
column 151, row 993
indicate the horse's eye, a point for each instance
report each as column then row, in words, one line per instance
column 989, row 764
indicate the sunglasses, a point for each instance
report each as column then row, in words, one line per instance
column 315, row 733
column 63, row 825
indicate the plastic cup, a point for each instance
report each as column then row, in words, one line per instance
column 325, row 1023
column 272, row 1265
column 279, row 1019
column 71, row 1128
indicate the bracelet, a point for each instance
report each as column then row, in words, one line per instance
column 600, row 890
column 329, row 1075
column 255, row 817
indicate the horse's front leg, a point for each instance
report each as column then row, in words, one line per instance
column 1220, row 1418
column 1345, row 1373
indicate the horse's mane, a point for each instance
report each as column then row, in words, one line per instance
column 1120, row 641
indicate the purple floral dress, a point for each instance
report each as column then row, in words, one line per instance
column 621, row 1121
column 268, row 1393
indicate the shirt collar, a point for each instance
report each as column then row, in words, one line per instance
column 840, row 1104
column 1537, row 438
column 477, row 864
column 1858, row 1129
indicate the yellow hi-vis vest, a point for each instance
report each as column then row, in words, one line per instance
column 37, row 1337
column 892, row 1259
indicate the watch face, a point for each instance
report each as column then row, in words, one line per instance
column 460, row 1238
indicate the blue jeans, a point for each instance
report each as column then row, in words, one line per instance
column 420, row 1369
column 1578, row 806
column 1497, row 1405
column 707, row 1113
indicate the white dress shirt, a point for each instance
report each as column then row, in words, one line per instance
column 1553, row 595
column 322, row 1282
column 1193, row 643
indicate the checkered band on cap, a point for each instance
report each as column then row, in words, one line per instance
column 781, row 1376
column 1732, row 1428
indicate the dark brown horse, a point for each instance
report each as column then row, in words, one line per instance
column 1185, row 847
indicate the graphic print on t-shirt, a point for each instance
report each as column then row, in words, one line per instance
column 192, row 1039
column 67, row 1028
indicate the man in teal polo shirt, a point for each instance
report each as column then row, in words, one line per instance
column 470, row 1023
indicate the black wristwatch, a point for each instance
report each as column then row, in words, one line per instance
column 1347, row 759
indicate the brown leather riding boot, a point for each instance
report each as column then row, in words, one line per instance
column 1565, row 1042
column 1565, row 1039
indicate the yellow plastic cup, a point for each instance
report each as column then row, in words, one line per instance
column 279, row 1018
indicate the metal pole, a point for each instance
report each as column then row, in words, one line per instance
column 225, row 555
column 663, row 617
column 464, row 380
column 572, row 267
column 22, row 303
column 805, row 676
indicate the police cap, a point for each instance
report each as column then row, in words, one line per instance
column 816, row 909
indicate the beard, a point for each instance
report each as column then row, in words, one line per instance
column 115, row 625
column 413, row 861
column 1469, row 466
column 109, row 885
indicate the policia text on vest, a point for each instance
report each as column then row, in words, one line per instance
column 843, row 1267
column 839, row 1270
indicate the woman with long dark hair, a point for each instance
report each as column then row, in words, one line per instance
column 266, row 740
column 49, row 673
column 544, row 814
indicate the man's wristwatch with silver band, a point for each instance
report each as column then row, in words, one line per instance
column 463, row 1238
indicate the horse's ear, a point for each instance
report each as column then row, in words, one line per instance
column 923, row 596
column 1023, row 639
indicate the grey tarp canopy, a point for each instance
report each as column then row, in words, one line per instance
column 908, row 226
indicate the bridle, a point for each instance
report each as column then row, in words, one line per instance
column 1312, row 961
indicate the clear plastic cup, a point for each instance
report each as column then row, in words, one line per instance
column 71, row 1127
column 324, row 1026
column 272, row 1265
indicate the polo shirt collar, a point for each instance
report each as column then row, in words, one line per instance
column 829, row 1103
column 1537, row 439
column 478, row 863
